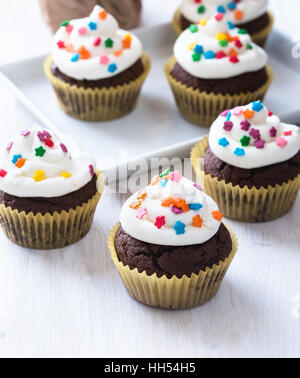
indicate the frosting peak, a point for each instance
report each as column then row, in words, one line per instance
column 238, row 12
column 94, row 47
column 172, row 210
column 215, row 49
column 41, row 163
column 250, row 136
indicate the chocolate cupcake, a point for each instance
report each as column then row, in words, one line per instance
column 96, row 69
column 171, row 248
column 216, row 66
column 48, row 190
column 251, row 15
column 251, row 163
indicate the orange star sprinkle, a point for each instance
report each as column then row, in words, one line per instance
column 238, row 15
column 103, row 15
column 155, row 180
column 167, row 202
column 217, row 215
column 142, row 195
column 84, row 53
column 127, row 41
column 135, row 205
column 197, row 221
column 20, row 162
column 248, row 113
column 233, row 52
column 118, row 53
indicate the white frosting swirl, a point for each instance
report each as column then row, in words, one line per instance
column 41, row 163
column 251, row 137
column 218, row 50
column 236, row 12
column 152, row 216
column 94, row 48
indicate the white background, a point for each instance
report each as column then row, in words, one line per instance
column 72, row 302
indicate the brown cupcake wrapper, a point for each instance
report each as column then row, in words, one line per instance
column 94, row 104
column 242, row 203
column 50, row 231
column 172, row 293
column 259, row 38
column 203, row 108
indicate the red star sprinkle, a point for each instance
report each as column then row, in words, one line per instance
column 159, row 222
column 3, row 173
column 287, row 133
column 233, row 59
column 61, row 44
column 49, row 142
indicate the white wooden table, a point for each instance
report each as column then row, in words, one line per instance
column 72, row 302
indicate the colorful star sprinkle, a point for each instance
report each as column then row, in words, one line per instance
column 255, row 133
column 15, row 158
column 104, row 59
column 141, row 213
column 63, row 147
column 239, row 152
column 108, row 43
column 260, row 143
column 40, row 151
column 176, row 210
column 273, row 132
column 82, row 31
column 92, row 25
column 75, row 57
column 135, row 205
column 39, row 175
column 127, row 41
column 159, row 222
column 112, row 68
column 175, row 176
column 281, row 142
column 245, row 125
column 97, row 41
column 223, row 142
column 49, row 142
column 248, row 113
column 195, row 206
column 9, row 146
column 228, row 125
column 179, row 228
column 142, row 195
column 257, row 106
column 3, row 173
column 193, row 28
column 245, row 141
column 217, row 215
column 84, row 53
column 103, row 15
column 61, row 44
column 165, row 173
column 197, row 221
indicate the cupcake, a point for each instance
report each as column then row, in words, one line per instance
column 171, row 248
column 216, row 66
column 251, row 15
column 251, row 163
column 48, row 189
column 96, row 69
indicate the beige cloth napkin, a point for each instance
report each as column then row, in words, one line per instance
column 127, row 12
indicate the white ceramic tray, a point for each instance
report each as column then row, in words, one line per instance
column 155, row 128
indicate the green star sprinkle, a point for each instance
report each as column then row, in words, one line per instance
column 109, row 42
column 201, row 9
column 193, row 28
column 242, row 31
column 223, row 43
column 196, row 57
column 245, row 141
column 40, row 151
column 249, row 46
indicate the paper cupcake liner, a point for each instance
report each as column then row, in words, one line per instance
column 259, row 38
column 244, row 204
column 172, row 293
column 94, row 104
column 203, row 108
column 49, row 231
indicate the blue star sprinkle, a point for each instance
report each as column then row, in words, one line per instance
column 221, row 9
column 195, row 206
column 92, row 25
column 231, row 5
column 112, row 68
column 257, row 106
column 209, row 54
column 199, row 49
column 179, row 228
column 15, row 158
column 223, row 142
column 228, row 116
column 230, row 25
column 239, row 152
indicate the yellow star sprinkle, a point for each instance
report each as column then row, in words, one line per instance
column 203, row 22
column 192, row 45
column 66, row 174
column 39, row 175
column 222, row 37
